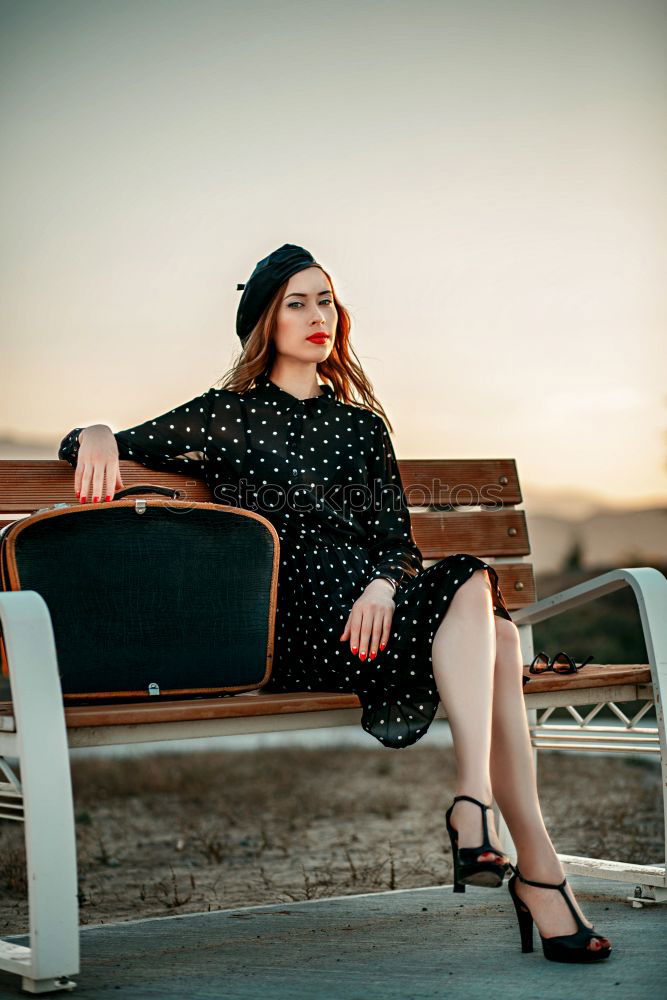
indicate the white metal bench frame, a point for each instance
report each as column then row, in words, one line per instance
column 37, row 736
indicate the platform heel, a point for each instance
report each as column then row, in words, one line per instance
column 467, row 869
column 561, row 947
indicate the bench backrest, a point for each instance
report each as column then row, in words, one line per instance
column 456, row 505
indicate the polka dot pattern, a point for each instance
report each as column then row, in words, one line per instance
column 325, row 474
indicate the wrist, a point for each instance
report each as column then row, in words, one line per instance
column 98, row 428
column 389, row 583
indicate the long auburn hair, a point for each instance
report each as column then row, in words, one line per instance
column 341, row 369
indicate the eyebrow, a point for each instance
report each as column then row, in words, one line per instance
column 303, row 295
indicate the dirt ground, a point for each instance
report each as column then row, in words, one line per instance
column 204, row 831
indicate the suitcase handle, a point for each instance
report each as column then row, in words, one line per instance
column 166, row 491
column 174, row 493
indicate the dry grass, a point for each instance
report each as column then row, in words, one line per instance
column 204, row 831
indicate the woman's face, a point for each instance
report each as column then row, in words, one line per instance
column 307, row 309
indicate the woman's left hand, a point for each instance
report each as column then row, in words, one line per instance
column 369, row 621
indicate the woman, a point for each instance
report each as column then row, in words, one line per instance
column 357, row 610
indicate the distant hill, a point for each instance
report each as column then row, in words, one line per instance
column 14, row 447
column 632, row 538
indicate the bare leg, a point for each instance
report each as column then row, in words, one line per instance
column 515, row 790
column 463, row 657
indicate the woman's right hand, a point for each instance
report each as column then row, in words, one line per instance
column 97, row 464
column 369, row 621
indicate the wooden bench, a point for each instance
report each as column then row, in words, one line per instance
column 36, row 730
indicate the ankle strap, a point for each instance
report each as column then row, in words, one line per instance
column 561, row 887
column 470, row 799
column 540, row 885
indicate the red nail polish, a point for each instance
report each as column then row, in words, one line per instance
column 362, row 656
column 83, row 499
column 107, row 499
column 354, row 649
column 373, row 655
column 382, row 645
column 95, row 499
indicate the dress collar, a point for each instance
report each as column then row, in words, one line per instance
column 274, row 391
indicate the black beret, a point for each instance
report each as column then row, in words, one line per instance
column 265, row 280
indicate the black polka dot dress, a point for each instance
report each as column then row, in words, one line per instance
column 325, row 474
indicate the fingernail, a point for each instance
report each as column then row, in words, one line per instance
column 83, row 499
column 95, row 499
column 78, row 493
column 354, row 649
column 362, row 656
column 373, row 654
column 107, row 499
column 382, row 645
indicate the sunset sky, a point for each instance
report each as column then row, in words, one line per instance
column 484, row 180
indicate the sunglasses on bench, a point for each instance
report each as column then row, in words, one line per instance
column 562, row 663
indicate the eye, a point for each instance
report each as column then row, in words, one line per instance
column 327, row 301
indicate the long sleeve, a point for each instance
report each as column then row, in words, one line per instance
column 392, row 548
column 175, row 441
column 69, row 447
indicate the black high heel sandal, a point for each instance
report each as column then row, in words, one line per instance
column 467, row 869
column 561, row 947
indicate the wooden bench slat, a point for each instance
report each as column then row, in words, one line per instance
column 259, row 703
column 26, row 484
column 499, row 532
column 460, row 481
column 517, row 582
column 600, row 675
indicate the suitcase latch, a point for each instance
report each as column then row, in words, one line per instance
column 153, row 688
column 139, row 506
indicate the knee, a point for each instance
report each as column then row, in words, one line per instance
column 508, row 640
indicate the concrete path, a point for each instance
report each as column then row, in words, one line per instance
column 413, row 943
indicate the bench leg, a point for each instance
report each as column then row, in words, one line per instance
column 46, row 788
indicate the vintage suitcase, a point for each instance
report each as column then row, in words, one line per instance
column 150, row 597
